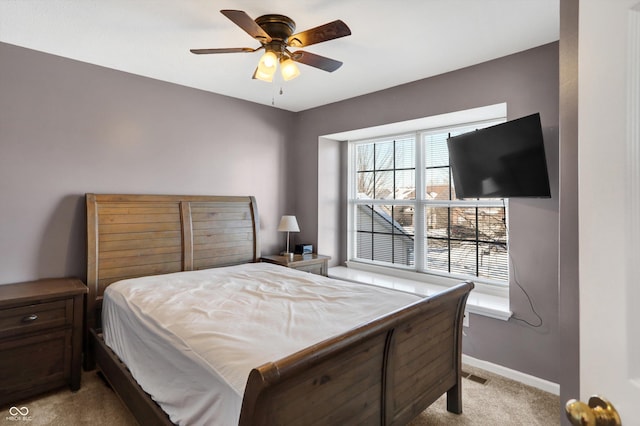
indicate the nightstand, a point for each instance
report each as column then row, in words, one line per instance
column 40, row 336
column 314, row 263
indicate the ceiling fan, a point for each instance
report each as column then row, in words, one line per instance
column 275, row 34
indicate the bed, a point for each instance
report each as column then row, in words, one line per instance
column 384, row 368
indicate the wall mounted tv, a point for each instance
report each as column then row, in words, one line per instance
column 502, row 161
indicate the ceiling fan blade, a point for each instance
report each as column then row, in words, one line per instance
column 222, row 50
column 330, row 31
column 317, row 61
column 245, row 22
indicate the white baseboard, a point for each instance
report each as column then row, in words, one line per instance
column 518, row 376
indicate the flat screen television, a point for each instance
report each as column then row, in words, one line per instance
column 502, row 161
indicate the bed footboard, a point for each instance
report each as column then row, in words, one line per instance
column 385, row 372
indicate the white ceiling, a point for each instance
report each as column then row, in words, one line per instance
column 392, row 42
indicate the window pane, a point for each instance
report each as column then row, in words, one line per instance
column 364, row 218
column 493, row 261
column 437, row 222
column 383, row 247
column 383, row 185
column 436, row 151
column 405, row 154
column 463, row 223
column 437, row 183
column 437, row 255
column 403, row 253
column 405, row 185
column 492, row 225
column 365, row 246
column 403, row 217
column 364, row 184
column 463, row 257
column 382, row 219
column 384, row 155
column 364, row 157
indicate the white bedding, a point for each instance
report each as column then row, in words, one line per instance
column 190, row 339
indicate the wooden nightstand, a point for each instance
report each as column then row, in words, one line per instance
column 40, row 336
column 314, row 263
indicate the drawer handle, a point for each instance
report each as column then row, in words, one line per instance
column 30, row 318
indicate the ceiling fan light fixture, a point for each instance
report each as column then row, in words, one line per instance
column 267, row 67
column 275, row 33
column 289, row 69
column 264, row 76
column 269, row 60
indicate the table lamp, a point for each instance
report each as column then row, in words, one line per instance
column 288, row 224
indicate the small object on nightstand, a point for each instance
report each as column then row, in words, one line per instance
column 314, row 263
column 40, row 337
column 303, row 249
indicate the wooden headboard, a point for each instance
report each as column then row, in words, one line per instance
column 136, row 235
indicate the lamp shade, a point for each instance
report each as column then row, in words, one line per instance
column 289, row 69
column 266, row 67
column 288, row 223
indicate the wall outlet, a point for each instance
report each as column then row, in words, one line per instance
column 465, row 320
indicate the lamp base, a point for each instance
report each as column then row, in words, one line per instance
column 287, row 254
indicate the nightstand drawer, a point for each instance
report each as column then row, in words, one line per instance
column 24, row 319
column 317, row 269
column 41, row 360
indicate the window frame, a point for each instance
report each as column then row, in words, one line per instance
column 420, row 204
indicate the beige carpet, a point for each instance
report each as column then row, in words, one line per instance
column 497, row 402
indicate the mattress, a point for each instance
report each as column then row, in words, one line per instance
column 190, row 339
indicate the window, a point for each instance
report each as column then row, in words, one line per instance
column 385, row 170
column 403, row 212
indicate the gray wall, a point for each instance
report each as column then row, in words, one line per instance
column 67, row 128
column 528, row 83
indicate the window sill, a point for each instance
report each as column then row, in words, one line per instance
column 489, row 305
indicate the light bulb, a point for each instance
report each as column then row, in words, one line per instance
column 266, row 67
column 289, row 69
column 269, row 59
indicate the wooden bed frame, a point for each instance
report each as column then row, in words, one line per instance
column 384, row 372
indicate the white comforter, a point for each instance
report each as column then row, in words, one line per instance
column 190, row 339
